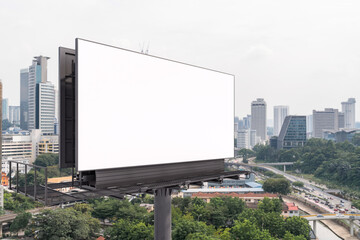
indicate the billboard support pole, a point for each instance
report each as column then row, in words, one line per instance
column 162, row 216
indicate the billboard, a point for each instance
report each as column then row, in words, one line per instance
column 134, row 110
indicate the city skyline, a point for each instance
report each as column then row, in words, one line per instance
column 283, row 52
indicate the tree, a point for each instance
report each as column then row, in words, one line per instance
column 297, row 226
column 20, row 222
column 63, row 224
column 356, row 139
column 47, row 159
column 277, row 185
column 245, row 230
column 298, row 184
column 187, row 225
column 289, row 236
column 270, row 205
column 124, row 229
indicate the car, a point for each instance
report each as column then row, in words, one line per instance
column 346, row 209
column 331, row 207
column 341, row 201
column 335, row 209
column 320, row 215
column 352, row 207
column 352, row 212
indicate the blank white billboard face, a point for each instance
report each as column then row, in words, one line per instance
column 135, row 110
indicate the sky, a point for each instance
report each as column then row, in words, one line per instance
column 304, row 54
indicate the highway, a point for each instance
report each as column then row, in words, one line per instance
column 315, row 191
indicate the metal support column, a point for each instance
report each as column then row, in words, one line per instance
column 17, row 177
column 284, row 168
column 352, row 228
column 314, row 227
column 35, row 183
column 10, row 175
column 25, row 184
column 162, row 214
column 46, row 186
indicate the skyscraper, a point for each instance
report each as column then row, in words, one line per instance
column 5, row 109
column 45, row 114
column 280, row 112
column 41, row 97
column 258, row 118
column 293, row 132
column 14, row 114
column 325, row 120
column 348, row 108
column 24, row 98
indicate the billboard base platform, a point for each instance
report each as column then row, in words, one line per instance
column 76, row 191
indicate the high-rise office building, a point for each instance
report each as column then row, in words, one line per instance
column 325, row 120
column 243, row 139
column 41, row 97
column 258, row 118
column 24, row 98
column 247, row 122
column 293, row 133
column 45, row 114
column 348, row 108
column 5, row 109
column 280, row 112
column 14, row 114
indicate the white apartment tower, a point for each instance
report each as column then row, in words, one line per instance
column 243, row 139
column 280, row 112
column 348, row 108
column 258, row 118
column 46, row 112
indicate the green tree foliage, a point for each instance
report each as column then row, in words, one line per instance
column 265, row 153
column 115, row 209
column 298, row 184
column 297, row 226
column 63, row 224
column 356, row 139
column 289, row 236
column 356, row 204
column 48, row 159
column 270, row 205
column 325, row 159
column 18, row 203
column 124, row 229
column 20, row 222
column 277, row 185
column 187, row 225
column 246, row 153
column 245, row 230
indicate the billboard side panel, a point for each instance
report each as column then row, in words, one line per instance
column 67, row 107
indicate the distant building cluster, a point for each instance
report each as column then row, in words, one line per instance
column 291, row 131
column 26, row 146
column 33, row 124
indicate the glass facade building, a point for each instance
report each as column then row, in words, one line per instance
column 293, row 132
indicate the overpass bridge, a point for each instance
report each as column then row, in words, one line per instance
column 345, row 216
column 264, row 164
